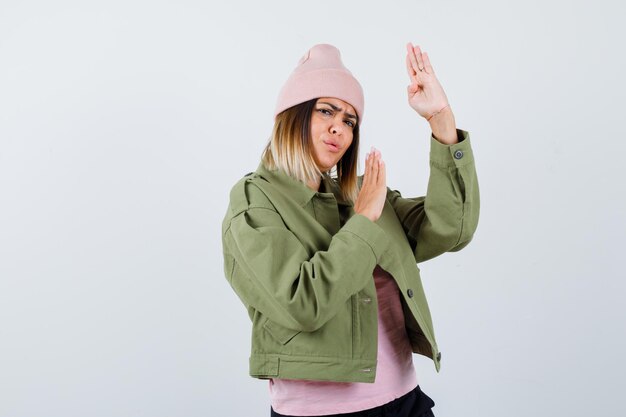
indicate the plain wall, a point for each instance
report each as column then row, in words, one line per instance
column 123, row 126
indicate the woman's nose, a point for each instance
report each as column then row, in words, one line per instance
column 336, row 128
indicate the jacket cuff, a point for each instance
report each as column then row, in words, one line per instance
column 369, row 232
column 451, row 156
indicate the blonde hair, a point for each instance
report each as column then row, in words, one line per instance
column 289, row 149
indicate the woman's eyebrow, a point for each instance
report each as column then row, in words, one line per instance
column 335, row 108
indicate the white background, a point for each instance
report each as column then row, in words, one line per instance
column 123, row 126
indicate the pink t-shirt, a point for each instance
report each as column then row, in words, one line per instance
column 395, row 374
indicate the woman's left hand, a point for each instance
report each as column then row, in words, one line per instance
column 426, row 96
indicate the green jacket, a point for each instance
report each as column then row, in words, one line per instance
column 301, row 262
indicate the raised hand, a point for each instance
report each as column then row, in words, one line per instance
column 371, row 198
column 425, row 94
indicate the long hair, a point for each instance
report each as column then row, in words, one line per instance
column 289, row 149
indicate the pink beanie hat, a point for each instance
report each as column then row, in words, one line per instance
column 320, row 73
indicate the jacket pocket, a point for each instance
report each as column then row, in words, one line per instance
column 281, row 334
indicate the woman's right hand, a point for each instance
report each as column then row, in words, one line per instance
column 371, row 198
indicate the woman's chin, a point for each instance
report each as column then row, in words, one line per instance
column 327, row 167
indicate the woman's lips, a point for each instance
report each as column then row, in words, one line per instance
column 332, row 147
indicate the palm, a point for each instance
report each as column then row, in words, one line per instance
column 425, row 93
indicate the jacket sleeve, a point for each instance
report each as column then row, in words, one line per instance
column 272, row 272
column 446, row 218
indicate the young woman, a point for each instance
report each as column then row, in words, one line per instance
column 325, row 260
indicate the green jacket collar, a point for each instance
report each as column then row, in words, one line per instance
column 299, row 191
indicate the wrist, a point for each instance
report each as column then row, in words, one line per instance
column 366, row 213
column 443, row 126
column 444, row 110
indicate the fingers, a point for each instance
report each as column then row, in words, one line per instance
column 413, row 60
column 418, row 57
column 410, row 70
column 368, row 176
column 374, row 168
column 419, row 60
column 382, row 174
column 427, row 66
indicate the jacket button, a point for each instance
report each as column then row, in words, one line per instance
column 458, row 154
column 438, row 356
column 409, row 292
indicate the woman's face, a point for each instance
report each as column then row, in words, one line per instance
column 332, row 123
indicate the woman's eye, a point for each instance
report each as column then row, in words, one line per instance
column 325, row 111
column 350, row 123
